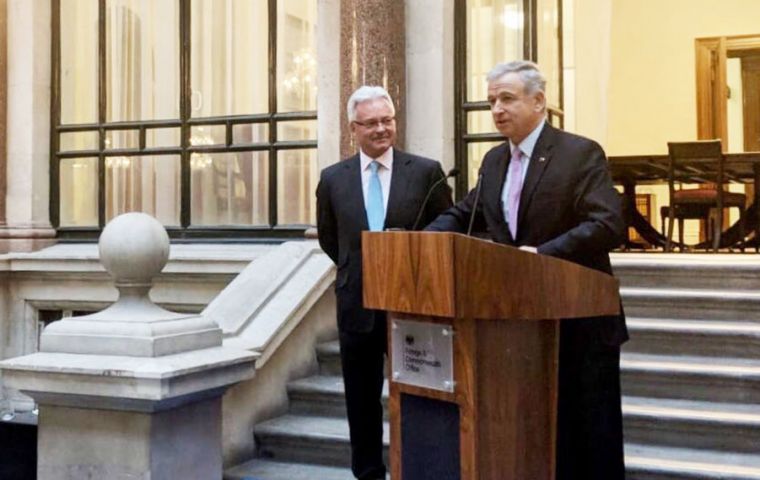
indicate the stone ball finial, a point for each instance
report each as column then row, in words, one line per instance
column 134, row 247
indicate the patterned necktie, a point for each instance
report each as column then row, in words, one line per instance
column 375, row 207
column 515, row 188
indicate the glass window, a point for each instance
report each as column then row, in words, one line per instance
column 233, row 146
column 162, row 137
column 77, row 141
column 297, row 130
column 495, row 31
column 142, row 59
column 297, row 170
column 475, row 152
column 549, row 58
column 297, row 55
column 230, row 188
column 147, row 184
column 79, row 61
column 246, row 133
column 116, row 139
column 229, row 42
column 79, row 192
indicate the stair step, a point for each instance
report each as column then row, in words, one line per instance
column 690, row 424
column 691, row 303
column 664, row 463
column 691, row 378
column 323, row 395
column 328, row 354
column 703, row 271
column 642, row 463
column 719, row 426
column 718, row 338
column 260, row 469
column 308, row 439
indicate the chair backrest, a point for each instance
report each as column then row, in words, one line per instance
column 700, row 160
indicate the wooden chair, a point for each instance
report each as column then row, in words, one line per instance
column 702, row 160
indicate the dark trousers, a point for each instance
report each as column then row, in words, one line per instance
column 589, row 420
column 362, row 356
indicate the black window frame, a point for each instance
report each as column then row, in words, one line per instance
column 463, row 106
column 185, row 231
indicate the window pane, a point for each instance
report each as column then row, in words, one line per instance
column 79, row 192
column 480, row 122
column 548, row 48
column 162, row 137
column 79, row 61
column 208, row 135
column 475, row 152
column 230, row 188
column 494, row 34
column 78, row 141
column 296, row 55
column 142, row 59
column 229, row 45
column 122, row 139
column 300, row 130
column 147, row 184
column 297, row 174
column 250, row 133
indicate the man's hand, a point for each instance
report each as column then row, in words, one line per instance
column 528, row 248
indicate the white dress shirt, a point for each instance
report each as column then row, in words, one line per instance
column 526, row 147
column 384, row 172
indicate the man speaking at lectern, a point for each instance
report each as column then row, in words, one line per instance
column 378, row 188
column 550, row 192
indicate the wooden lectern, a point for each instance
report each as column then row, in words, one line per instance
column 501, row 305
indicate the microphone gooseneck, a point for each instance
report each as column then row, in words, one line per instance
column 475, row 204
column 452, row 173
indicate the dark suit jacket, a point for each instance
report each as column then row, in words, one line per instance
column 341, row 217
column 568, row 209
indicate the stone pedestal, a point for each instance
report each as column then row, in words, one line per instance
column 179, row 443
column 133, row 391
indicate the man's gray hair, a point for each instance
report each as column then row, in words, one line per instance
column 364, row 93
column 529, row 73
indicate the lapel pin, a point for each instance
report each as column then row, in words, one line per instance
column 541, row 159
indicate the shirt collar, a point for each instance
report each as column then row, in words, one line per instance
column 529, row 142
column 386, row 159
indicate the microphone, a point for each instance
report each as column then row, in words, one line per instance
column 452, row 173
column 475, row 204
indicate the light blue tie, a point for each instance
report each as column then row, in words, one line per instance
column 375, row 207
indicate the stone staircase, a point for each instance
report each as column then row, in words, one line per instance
column 311, row 441
column 691, row 371
column 691, row 381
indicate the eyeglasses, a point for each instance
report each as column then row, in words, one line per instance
column 371, row 125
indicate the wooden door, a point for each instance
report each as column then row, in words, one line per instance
column 751, row 89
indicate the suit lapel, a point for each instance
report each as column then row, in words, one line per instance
column 542, row 155
column 354, row 186
column 399, row 182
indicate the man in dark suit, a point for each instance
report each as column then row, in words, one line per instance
column 378, row 188
column 550, row 192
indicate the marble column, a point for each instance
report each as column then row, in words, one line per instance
column 27, row 164
column 372, row 52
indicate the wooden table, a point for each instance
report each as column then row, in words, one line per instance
column 632, row 170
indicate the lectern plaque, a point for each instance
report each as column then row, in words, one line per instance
column 422, row 354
